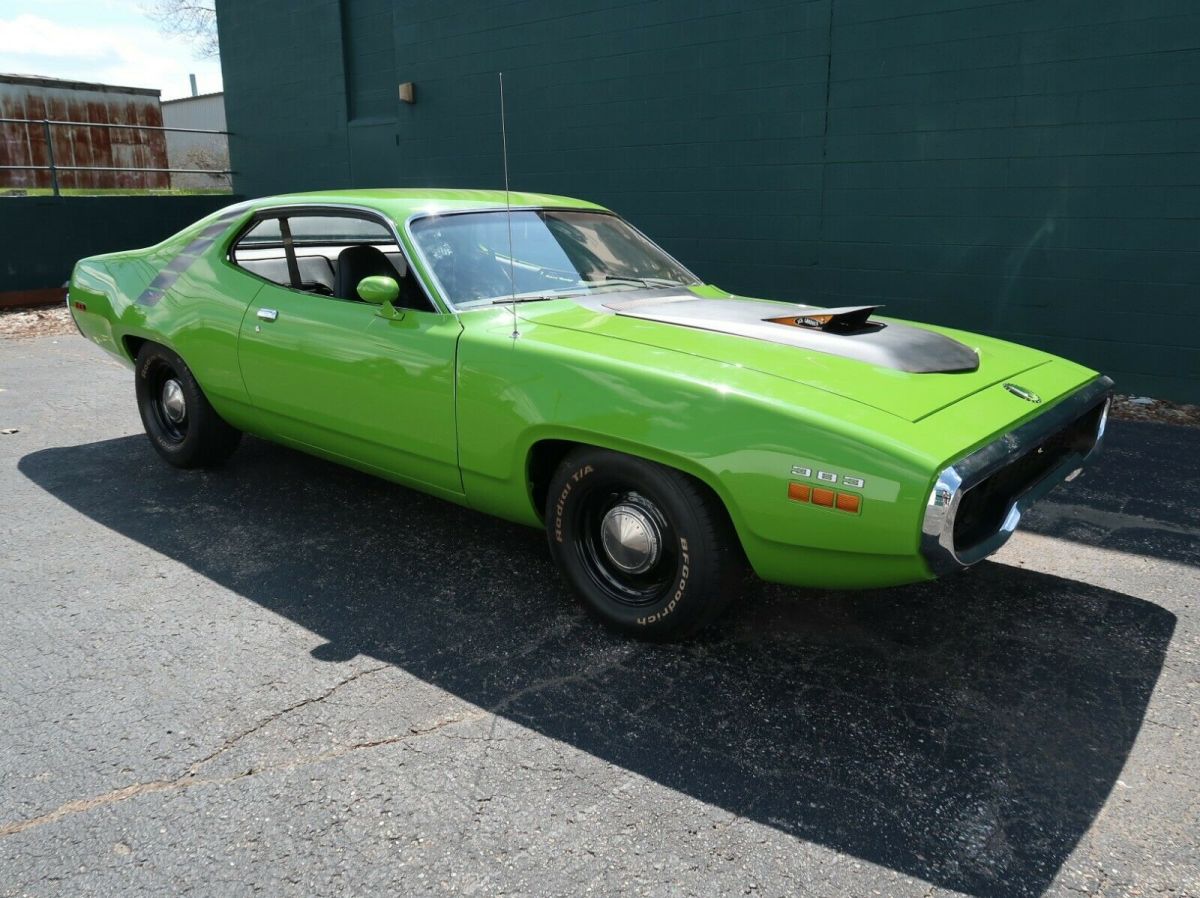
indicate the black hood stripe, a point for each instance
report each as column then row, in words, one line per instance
column 900, row 347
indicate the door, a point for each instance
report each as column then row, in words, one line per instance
column 334, row 374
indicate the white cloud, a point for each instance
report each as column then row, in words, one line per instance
column 130, row 54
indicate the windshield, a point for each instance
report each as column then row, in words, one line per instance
column 553, row 253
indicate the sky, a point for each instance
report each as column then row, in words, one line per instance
column 108, row 41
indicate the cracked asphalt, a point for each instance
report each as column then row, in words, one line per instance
column 288, row 678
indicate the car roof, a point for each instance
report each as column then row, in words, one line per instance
column 402, row 203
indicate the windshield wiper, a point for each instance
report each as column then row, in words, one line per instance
column 645, row 282
column 541, row 297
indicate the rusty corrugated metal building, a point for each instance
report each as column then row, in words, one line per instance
column 78, row 145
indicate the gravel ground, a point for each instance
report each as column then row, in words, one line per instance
column 40, row 322
column 1144, row 408
column 287, row 678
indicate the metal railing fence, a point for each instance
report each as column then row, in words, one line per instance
column 54, row 168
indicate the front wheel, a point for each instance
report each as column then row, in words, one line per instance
column 648, row 549
column 181, row 424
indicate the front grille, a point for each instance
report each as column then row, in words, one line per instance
column 984, row 506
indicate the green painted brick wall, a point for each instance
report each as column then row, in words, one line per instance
column 1027, row 169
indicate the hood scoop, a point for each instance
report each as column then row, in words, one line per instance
column 845, row 332
column 844, row 320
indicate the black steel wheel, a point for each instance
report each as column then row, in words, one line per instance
column 626, row 545
column 181, row 424
column 648, row 549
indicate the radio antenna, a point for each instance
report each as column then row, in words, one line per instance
column 512, row 265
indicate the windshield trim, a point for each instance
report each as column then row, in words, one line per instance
column 432, row 278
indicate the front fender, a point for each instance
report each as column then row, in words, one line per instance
column 740, row 432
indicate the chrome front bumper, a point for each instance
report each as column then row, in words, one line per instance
column 1065, row 429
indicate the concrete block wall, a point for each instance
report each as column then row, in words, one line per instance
column 1025, row 169
column 287, row 116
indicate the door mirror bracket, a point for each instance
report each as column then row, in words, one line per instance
column 389, row 311
column 382, row 291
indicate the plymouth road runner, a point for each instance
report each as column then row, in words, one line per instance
column 539, row 358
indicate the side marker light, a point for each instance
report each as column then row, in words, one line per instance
column 799, row 491
column 847, row 502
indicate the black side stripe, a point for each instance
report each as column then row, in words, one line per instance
column 168, row 275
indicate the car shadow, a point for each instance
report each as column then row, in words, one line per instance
column 965, row 731
column 1140, row 496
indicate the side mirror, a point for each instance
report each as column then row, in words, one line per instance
column 378, row 290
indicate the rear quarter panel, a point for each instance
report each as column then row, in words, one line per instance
column 102, row 291
column 181, row 293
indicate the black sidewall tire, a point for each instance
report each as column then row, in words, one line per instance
column 208, row 439
column 706, row 571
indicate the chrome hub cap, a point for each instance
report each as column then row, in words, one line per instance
column 631, row 538
column 173, row 404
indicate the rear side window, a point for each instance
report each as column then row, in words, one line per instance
column 326, row 255
column 265, row 233
column 315, row 230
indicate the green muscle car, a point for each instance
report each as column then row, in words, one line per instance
column 540, row 359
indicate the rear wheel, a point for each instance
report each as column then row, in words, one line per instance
column 648, row 549
column 181, row 424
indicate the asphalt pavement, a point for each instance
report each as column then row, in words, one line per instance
column 287, row 678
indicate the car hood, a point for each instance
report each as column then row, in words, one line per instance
column 905, row 369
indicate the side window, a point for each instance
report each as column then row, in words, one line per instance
column 262, row 251
column 326, row 255
column 265, row 233
column 323, row 230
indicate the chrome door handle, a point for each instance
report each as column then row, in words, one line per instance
column 268, row 314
